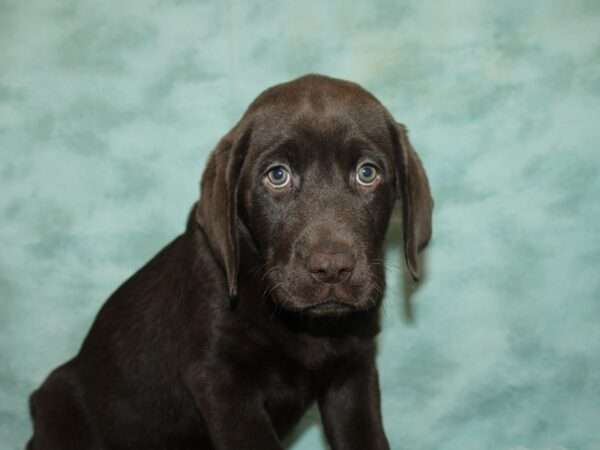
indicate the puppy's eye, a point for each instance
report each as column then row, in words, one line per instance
column 278, row 177
column 366, row 175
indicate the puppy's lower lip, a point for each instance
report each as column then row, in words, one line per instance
column 330, row 304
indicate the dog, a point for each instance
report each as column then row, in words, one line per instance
column 268, row 302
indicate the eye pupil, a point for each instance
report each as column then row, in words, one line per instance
column 366, row 175
column 278, row 177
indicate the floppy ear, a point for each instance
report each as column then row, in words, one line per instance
column 412, row 187
column 216, row 211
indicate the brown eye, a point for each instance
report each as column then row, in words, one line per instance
column 366, row 175
column 278, row 177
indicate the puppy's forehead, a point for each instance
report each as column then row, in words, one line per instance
column 320, row 109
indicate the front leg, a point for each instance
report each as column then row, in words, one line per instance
column 233, row 411
column 350, row 409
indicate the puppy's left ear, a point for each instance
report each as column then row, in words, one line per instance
column 412, row 187
column 216, row 212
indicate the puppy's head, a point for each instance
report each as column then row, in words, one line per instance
column 310, row 174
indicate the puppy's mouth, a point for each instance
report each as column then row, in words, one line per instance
column 329, row 307
column 324, row 300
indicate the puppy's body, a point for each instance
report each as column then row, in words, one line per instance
column 170, row 321
column 169, row 364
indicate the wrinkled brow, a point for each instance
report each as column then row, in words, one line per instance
column 283, row 152
column 360, row 149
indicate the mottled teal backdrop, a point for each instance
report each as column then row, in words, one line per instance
column 108, row 110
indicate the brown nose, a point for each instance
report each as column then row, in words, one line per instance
column 330, row 267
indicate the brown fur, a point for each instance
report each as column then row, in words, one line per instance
column 269, row 300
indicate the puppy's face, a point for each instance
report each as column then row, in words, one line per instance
column 311, row 172
column 316, row 191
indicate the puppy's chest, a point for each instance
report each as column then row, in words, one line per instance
column 287, row 390
column 293, row 369
column 291, row 382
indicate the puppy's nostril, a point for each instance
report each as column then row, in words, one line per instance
column 330, row 267
column 345, row 273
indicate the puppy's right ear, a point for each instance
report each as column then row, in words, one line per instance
column 216, row 211
column 417, row 204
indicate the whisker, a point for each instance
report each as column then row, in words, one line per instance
column 255, row 271
column 272, row 269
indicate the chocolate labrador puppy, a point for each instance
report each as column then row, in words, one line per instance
column 267, row 302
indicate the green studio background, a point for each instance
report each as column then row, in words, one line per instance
column 109, row 109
